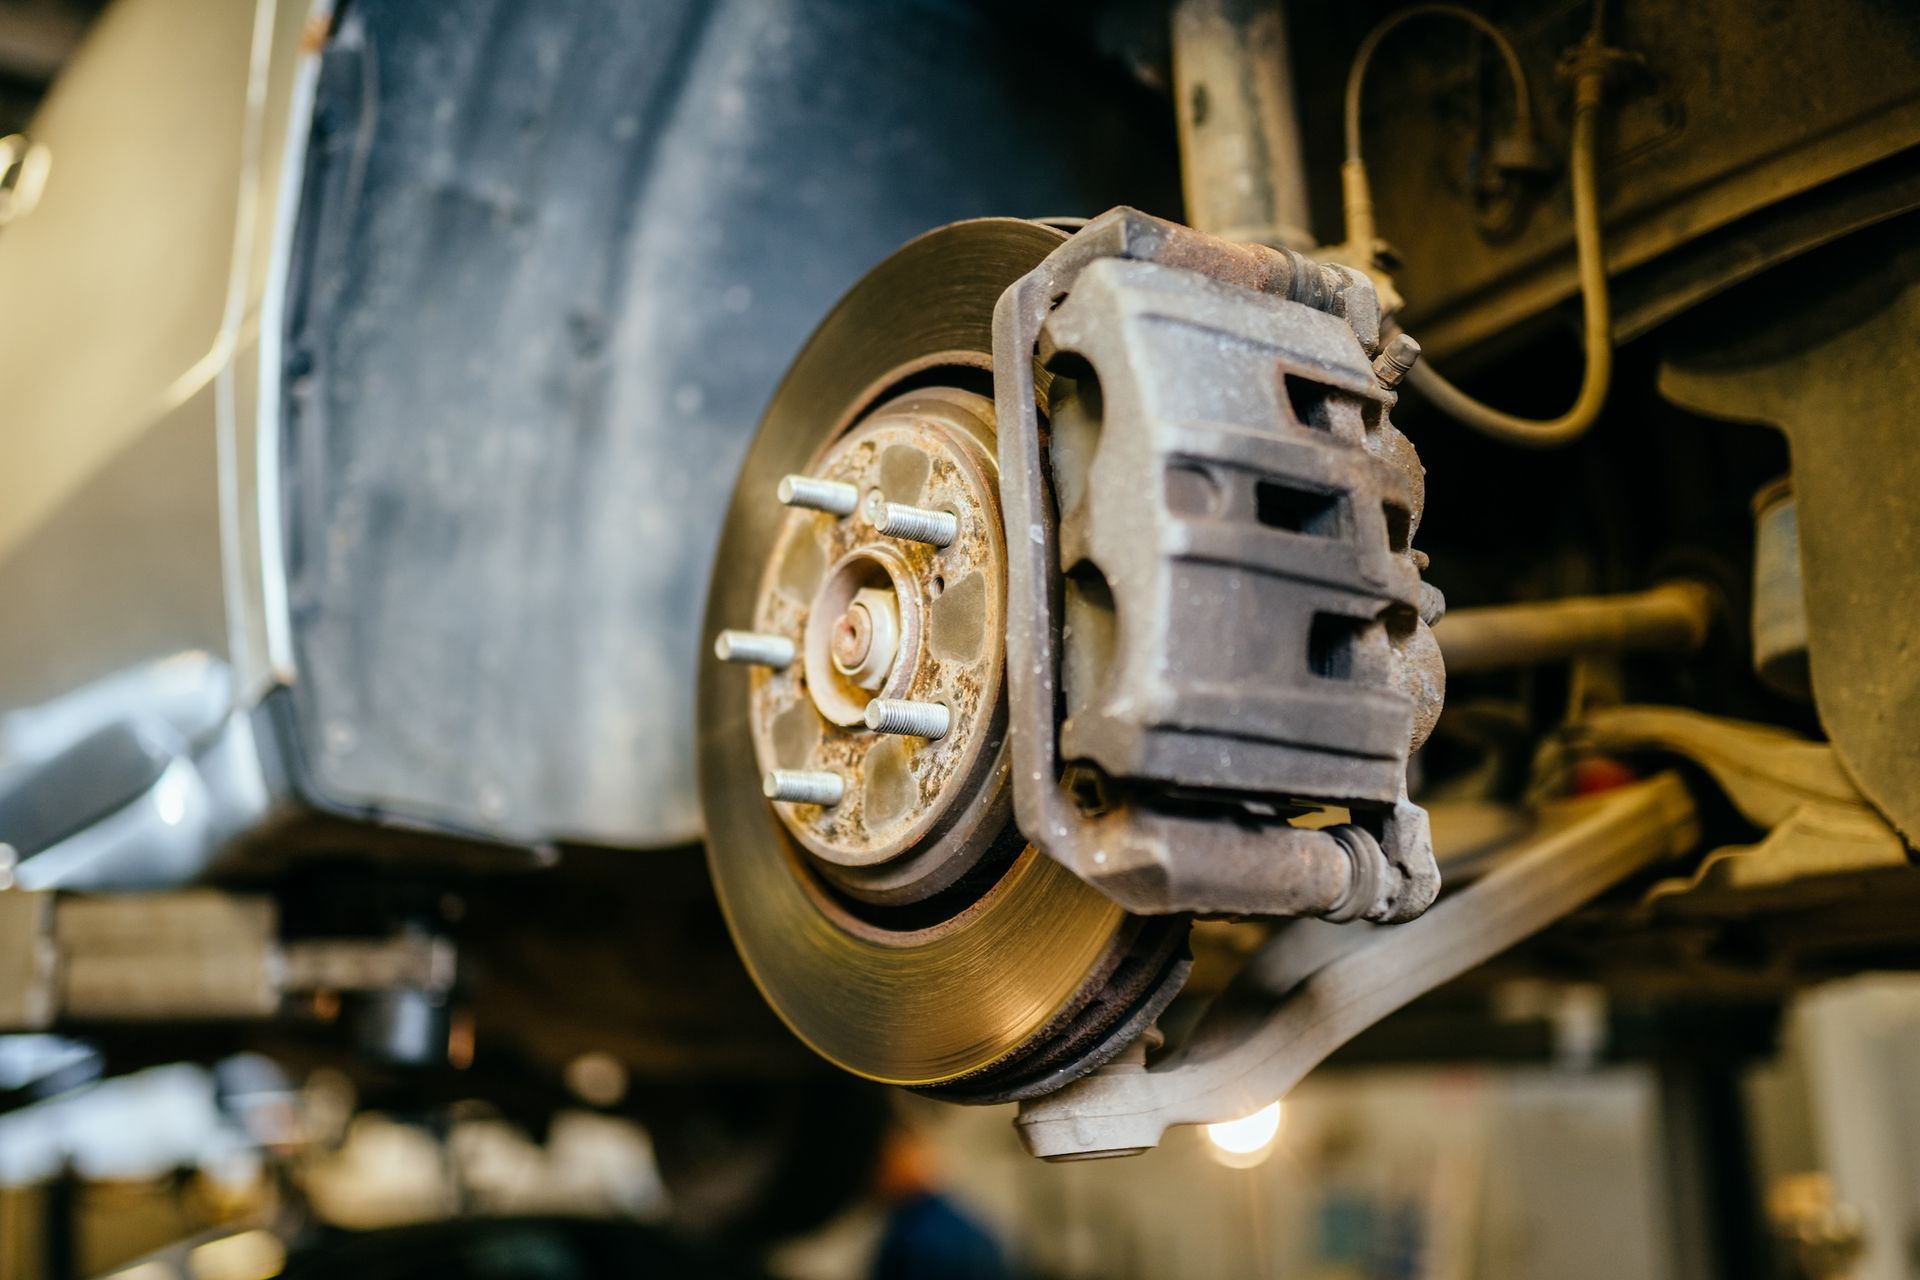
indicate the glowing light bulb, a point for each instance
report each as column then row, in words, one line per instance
column 1245, row 1142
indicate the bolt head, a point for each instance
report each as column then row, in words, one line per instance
column 1394, row 363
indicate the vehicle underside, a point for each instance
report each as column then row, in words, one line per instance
column 1095, row 557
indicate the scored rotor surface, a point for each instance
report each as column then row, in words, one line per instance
column 930, row 1004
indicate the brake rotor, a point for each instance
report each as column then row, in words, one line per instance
column 902, row 928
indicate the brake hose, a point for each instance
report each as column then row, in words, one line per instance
column 1589, row 84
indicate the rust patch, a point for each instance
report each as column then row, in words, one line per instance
column 796, row 732
column 800, row 571
column 903, row 473
column 960, row 620
column 890, row 787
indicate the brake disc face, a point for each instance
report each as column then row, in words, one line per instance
column 900, row 924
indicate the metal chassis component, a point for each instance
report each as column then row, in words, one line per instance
column 1670, row 618
column 1352, row 977
column 1163, row 860
column 1823, row 351
column 27, row 960
column 198, row 954
column 1779, row 620
column 1241, row 167
column 1710, row 178
column 1822, row 838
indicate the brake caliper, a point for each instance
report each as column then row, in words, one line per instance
column 1217, row 623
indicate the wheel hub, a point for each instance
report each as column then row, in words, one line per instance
column 882, row 617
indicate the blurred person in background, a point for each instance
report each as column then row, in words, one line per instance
column 928, row 1235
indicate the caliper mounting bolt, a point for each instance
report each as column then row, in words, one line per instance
column 1394, row 363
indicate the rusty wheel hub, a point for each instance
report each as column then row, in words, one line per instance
column 877, row 616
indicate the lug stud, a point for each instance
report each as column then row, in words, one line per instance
column 917, row 719
column 754, row 649
column 804, row 786
column 830, row 496
column 916, row 524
